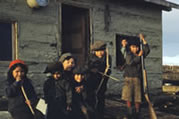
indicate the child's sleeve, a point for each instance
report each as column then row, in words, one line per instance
column 146, row 50
column 12, row 89
column 47, row 89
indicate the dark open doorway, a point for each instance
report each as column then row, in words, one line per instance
column 75, row 32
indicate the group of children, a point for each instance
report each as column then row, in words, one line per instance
column 72, row 89
column 75, row 91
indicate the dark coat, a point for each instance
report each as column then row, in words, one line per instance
column 94, row 78
column 58, row 95
column 79, row 98
column 16, row 100
column 79, row 102
column 133, row 63
column 96, row 95
column 68, row 75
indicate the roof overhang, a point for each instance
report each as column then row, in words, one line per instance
column 164, row 3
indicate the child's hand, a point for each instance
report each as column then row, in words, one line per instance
column 28, row 102
column 141, row 36
column 83, row 109
column 79, row 89
column 140, row 53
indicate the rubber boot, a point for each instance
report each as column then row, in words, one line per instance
column 137, row 114
column 129, row 113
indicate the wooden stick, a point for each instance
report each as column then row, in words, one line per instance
column 26, row 98
column 144, row 74
column 105, row 72
column 102, row 80
column 109, row 76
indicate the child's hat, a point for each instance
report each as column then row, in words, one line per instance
column 134, row 43
column 54, row 67
column 79, row 70
column 98, row 45
column 17, row 61
column 64, row 56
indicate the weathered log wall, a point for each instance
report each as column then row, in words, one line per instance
column 39, row 35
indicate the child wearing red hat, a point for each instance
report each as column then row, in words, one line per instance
column 17, row 77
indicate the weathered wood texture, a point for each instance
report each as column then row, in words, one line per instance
column 171, row 73
column 132, row 20
column 37, row 38
column 39, row 35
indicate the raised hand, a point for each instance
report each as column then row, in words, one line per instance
column 141, row 36
column 140, row 53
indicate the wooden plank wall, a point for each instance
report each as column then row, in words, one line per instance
column 131, row 20
column 39, row 35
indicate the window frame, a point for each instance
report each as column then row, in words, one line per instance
column 14, row 37
column 118, row 39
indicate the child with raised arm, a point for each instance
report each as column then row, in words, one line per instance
column 133, row 75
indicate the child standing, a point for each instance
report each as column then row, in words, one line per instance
column 133, row 74
column 17, row 78
column 97, row 64
column 81, row 110
column 57, row 93
column 68, row 62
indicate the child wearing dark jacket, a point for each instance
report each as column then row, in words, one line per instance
column 96, row 81
column 16, row 79
column 57, row 93
column 81, row 110
column 133, row 74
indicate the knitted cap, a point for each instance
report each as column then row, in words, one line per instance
column 54, row 67
column 98, row 45
column 64, row 56
column 16, row 62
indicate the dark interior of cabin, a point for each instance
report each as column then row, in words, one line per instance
column 75, row 32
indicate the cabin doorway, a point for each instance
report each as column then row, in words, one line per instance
column 75, row 32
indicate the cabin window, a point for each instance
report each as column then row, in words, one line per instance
column 120, row 57
column 7, row 41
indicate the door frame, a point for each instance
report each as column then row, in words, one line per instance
column 90, row 24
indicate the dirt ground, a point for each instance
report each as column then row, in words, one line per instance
column 166, row 107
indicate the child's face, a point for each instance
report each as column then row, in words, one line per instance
column 78, row 77
column 124, row 42
column 134, row 49
column 56, row 75
column 68, row 64
column 18, row 73
column 99, row 53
